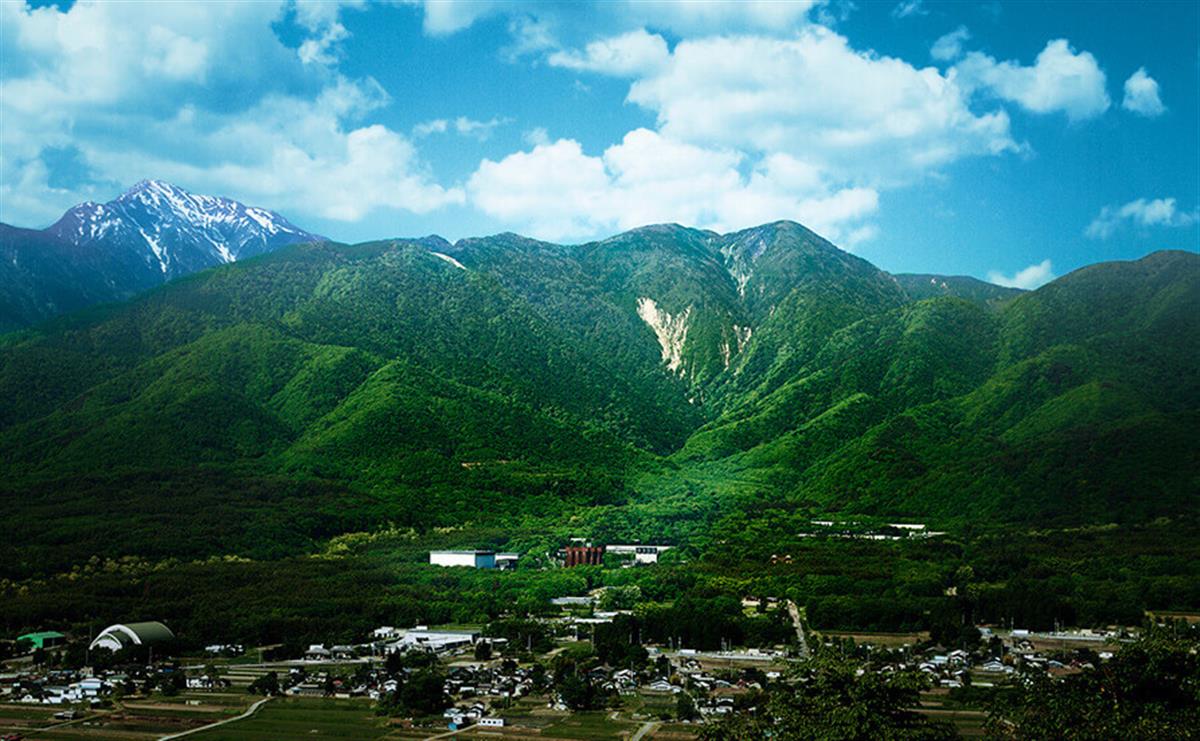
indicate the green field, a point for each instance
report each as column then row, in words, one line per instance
column 134, row 719
column 296, row 717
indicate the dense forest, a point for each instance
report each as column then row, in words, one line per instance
column 269, row 447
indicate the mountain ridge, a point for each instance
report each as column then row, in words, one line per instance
column 102, row 252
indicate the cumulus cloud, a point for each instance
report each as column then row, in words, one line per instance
column 1028, row 279
column 949, row 47
column 1142, row 212
column 218, row 102
column 1141, row 95
column 775, row 131
column 442, row 17
column 790, row 95
column 291, row 153
column 555, row 190
column 1060, row 80
column 636, row 52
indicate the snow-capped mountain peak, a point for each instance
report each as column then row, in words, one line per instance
column 176, row 232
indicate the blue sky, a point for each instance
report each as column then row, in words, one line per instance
column 1010, row 141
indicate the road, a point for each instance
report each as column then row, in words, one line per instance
column 249, row 712
column 794, row 611
column 646, row 728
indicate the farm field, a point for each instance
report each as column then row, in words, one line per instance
column 139, row 718
column 891, row 640
column 296, row 717
column 584, row 726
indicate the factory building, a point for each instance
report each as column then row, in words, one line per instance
column 473, row 559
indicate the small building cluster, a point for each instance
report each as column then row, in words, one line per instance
column 58, row 687
column 578, row 553
column 583, row 553
column 476, row 559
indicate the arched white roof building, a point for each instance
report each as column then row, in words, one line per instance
column 124, row 635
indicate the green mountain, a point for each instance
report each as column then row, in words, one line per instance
column 922, row 286
column 263, row 406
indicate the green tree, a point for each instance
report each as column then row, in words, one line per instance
column 1149, row 690
column 483, row 651
column 827, row 699
column 424, row 693
column 685, row 707
column 267, row 685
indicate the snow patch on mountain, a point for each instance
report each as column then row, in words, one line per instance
column 159, row 254
column 671, row 330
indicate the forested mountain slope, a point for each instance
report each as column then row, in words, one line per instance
column 420, row 382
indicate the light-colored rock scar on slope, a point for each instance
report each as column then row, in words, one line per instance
column 671, row 331
column 450, row 260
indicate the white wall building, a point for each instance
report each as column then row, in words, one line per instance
column 474, row 559
column 641, row 553
column 435, row 641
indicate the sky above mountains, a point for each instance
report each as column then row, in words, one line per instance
column 1009, row 141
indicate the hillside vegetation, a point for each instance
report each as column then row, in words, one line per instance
column 662, row 378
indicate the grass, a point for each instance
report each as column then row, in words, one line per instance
column 590, row 725
column 879, row 639
column 303, row 717
column 24, row 717
column 674, row 732
column 142, row 718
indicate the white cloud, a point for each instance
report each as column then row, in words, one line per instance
column 321, row 19
column 636, row 52
column 1028, row 279
column 530, row 36
column 1141, row 95
column 444, row 17
column 767, row 95
column 321, row 49
column 1142, row 212
column 293, row 154
column 218, row 103
column 536, row 136
column 715, row 16
column 949, row 47
column 532, row 19
column 908, row 8
column 1060, row 80
column 480, row 130
column 174, row 55
column 557, row 191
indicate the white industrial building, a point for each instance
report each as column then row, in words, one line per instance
column 641, row 553
column 474, row 559
column 435, row 641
